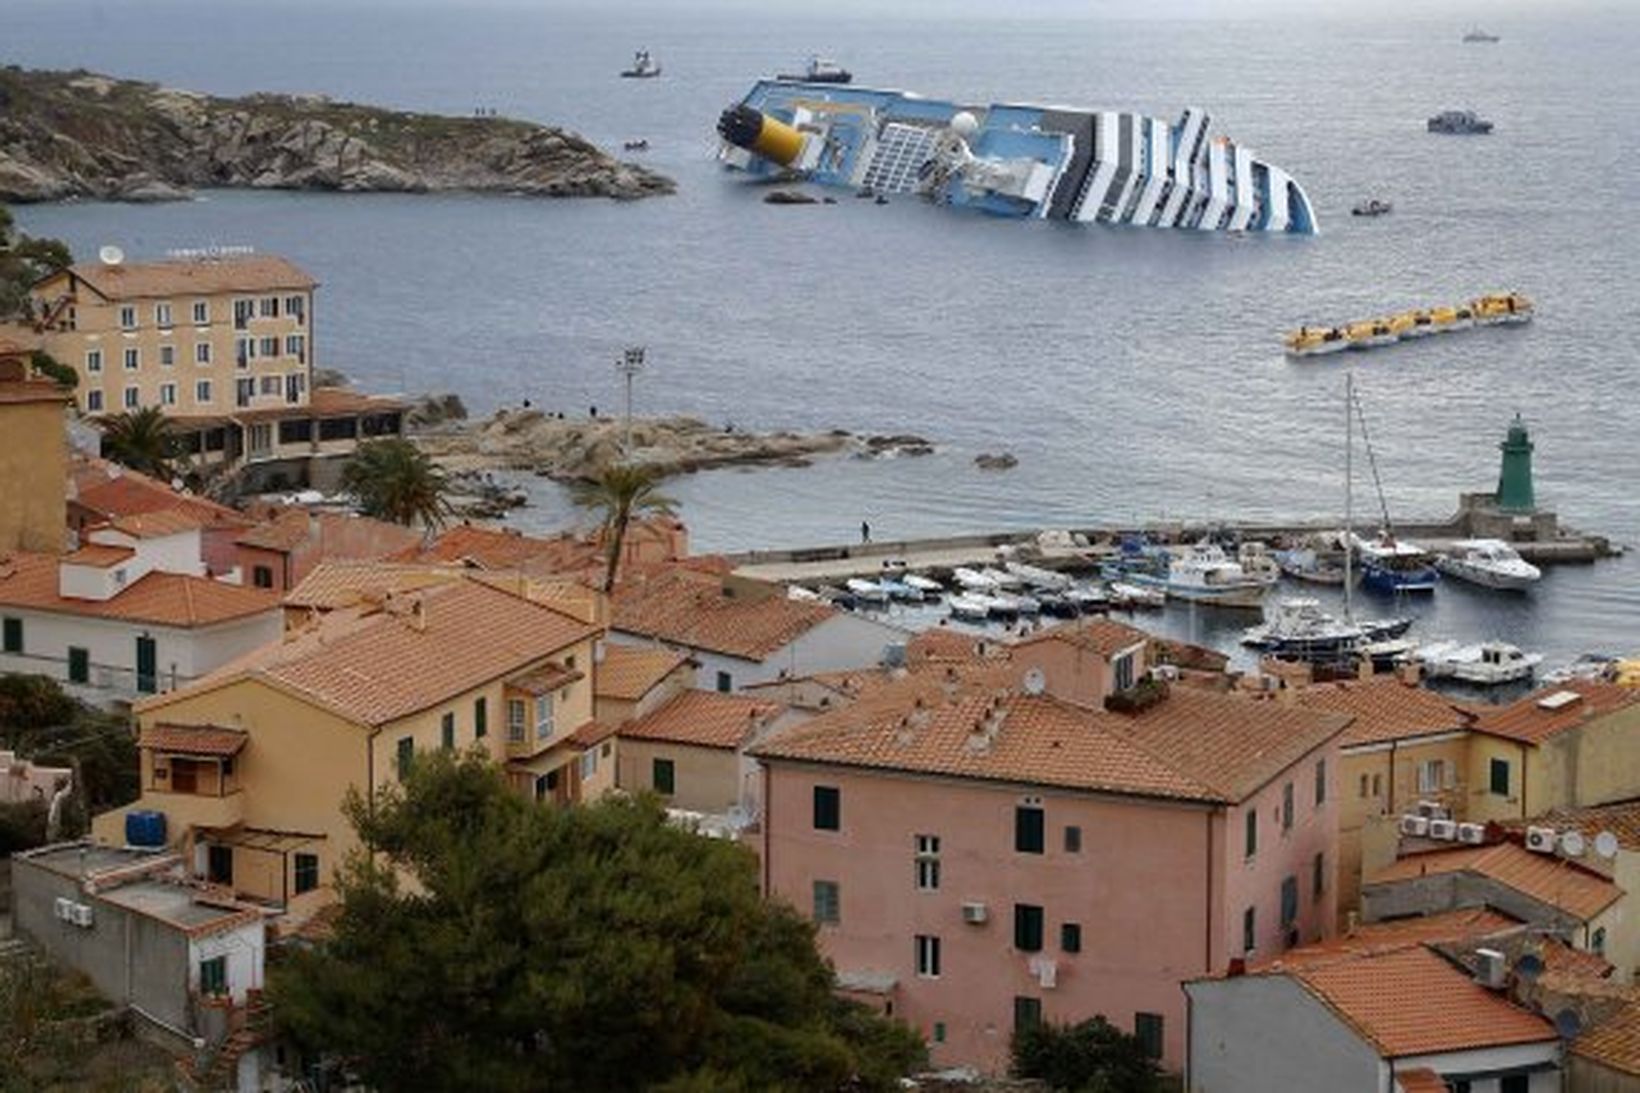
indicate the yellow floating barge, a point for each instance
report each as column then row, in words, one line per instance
column 1496, row 309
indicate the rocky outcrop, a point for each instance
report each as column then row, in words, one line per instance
column 75, row 134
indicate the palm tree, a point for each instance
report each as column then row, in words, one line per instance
column 620, row 492
column 142, row 440
column 395, row 480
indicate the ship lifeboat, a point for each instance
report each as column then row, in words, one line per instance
column 1315, row 341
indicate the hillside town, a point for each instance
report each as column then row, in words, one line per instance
column 1260, row 878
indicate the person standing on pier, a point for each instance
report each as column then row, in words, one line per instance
column 865, row 532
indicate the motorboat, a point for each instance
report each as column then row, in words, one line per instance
column 1202, row 574
column 636, row 146
column 644, row 67
column 1488, row 664
column 820, row 70
column 1257, row 562
column 1087, row 597
column 1459, row 123
column 973, row 580
column 1389, row 564
column 969, row 606
column 1372, row 207
column 1297, row 629
column 837, row 597
column 1501, row 309
column 1129, row 595
column 1315, row 341
column 866, row 591
column 1491, row 563
column 998, row 605
column 926, row 585
column 1003, row 578
column 1037, row 577
column 1310, row 565
column 1591, row 666
column 803, row 595
column 1023, row 604
column 1058, row 605
column 900, row 590
column 1476, row 35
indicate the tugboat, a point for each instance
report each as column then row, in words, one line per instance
column 1372, row 207
column 1459, row 123
column 1476, row 34
column 644, row 67
column 820, row 70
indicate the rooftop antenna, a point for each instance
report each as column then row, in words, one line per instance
column 110, row 254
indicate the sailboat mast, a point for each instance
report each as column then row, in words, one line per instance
column 1349, row 493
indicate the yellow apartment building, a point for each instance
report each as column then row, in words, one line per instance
column 193, row 337
column 251, row 764
column 33, row 457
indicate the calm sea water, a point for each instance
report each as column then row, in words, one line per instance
column 1135, row 374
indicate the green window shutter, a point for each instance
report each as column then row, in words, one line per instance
column 828, row 808
column 1028, row 828
column 1027, row 928
column 663, row 776
column 481, row 718
column 1027, row 1013
column 213, row 976
column 307, row 872
column 79, row 664
column 13, row 639
column 406, row 756
column 1499, row 772
column 447, row 732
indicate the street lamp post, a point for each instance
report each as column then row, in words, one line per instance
column 630, row 364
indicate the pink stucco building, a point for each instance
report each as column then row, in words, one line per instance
column 980, row 856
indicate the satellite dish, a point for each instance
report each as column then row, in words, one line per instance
column 1605, row 844
column 111, row 255
column 1571, row 844
column 1529, row 966
column 1035, row 682
column 1568, row 1024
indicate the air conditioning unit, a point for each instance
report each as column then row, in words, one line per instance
column 1413, row 825
column 975, row 914
column 1432, row 810
column 1474, row 834
column 82, row 914
column 64, row 909
column 1444, row 830
column 1540, row 839
column 1491, row 970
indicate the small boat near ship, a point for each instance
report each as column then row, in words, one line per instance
column 636, row 146
column 1460, row 123
column 1490, row 563
column 1487, row 664
column 644, row 67
column 1372, row 207
column 820, row 70
column 1476, row 34
column 1493, row 309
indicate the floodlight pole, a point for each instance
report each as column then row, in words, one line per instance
column 630, row 364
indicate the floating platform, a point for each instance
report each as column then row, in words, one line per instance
column 1495, row 309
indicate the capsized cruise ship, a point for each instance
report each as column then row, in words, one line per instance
column 1041, row 162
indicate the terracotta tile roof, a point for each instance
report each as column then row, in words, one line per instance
column 375, row 666
column 328, row 402
column 330, row 535
column 592, row 734
column 689, row 608
column 1614, row 1042
column 968, row 731
column 193, row 739
column 111, row 491
column 1420, row 1080
column 1411, row 1001
column 545, row 679
column 1100, row 636
column 158, row 523
column 704, row 719
column 256, row 273
column 1228, row 742
column 13, row 392
column 1621, row 818
column 1384, row 709
column 1463, row 924
column 628, row 672
column 164, row 599
column 1544, row 877
column 946, row 646
column 494, row 548
column 345, row 582
column 1529, row 722
column 99, row 556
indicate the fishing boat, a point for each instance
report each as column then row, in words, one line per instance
column 1487, row 664
column 1037, row 577
column 865, row 591
column 1462, row 123
column 1011, row 159
column 1372, row 207
column 1389, row 564
column 644, row 67
column 926, row 585
column 1491, row 563
column 1299, row 630
column 1200, row 574
column 973, row 580
column 1475, row 34
column 820, row 70
column 969, row 606
column 1492, row 309
column 1258, row 562
column 1310, row 565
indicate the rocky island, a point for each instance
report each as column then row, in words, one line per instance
column 77, row 134
column 578, row 448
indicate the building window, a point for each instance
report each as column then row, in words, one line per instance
column 1073, row 840
column 589, row 763
column 481, row 718
column 202, row 391
column 1320, row 783
column 93, row 360
column 202, row 312
column 1318, row 875
column 162, row 315
column 1147, row 1029
column 1597, row 941
column 1027, row 927
column 133, row 398
column 543, row 716
column 928, row 956
column 828, row 808
column 133, row 358
column 928, row 863
column 1364, row 793
column 1028, row 829
column 1122, row 672
column 79, row 664
column 244, row 351
column 1249, row 935
column 1289, row 901
column 268, row 307
column 1515, row 1083
column 1431, row 775
column 294, row 307
column 1377, row 785
column 213, row 976
column 242, row 312
column 406, row 756
column 725, row 684
column 663, row 776
column 93, row 402
column 1287, row 807
column 262, row 576
column 167, row 394
column 828, row 904
column 1027, row 1013
column 939, row 1032
column 1070, row 937
column 128, row 317
column 202, row 352
column 269, row 386
column 1498, row 776
column 447, row 731
column 1250, row 840
column 167, row 355
column 307, row 872
column 269, row 346
column 295, row 346
column 516, row 717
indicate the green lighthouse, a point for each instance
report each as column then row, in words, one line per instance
column 1515, row 470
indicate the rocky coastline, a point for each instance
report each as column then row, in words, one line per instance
column 571, row 449
column 70, row 135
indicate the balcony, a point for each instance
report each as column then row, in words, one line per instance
column 196, row 810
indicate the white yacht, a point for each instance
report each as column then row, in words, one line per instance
column 973, row 580
column 1037, row 577
column 1491, row 563
column 866, row 591
column 1488, row 664
column 926, row 585
column 1204, row 573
